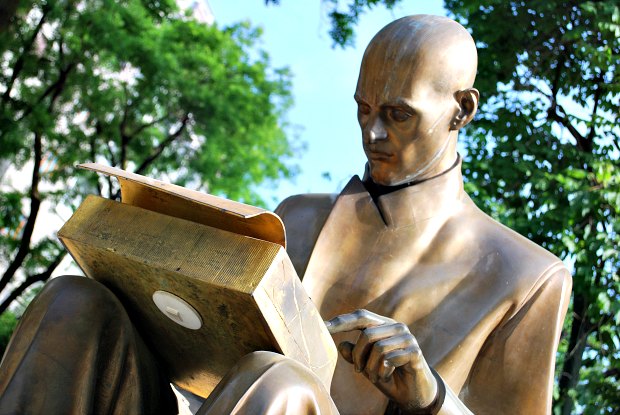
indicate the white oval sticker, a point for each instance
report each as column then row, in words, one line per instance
column 177, row 310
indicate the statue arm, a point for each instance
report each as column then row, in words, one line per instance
column 304, row 217
column 512, row 374
column 514, row 371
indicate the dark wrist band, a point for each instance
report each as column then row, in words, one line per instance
column 435, row 406
column 432, row 409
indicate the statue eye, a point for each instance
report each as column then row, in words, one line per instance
column 398, row 115
column 363, row 108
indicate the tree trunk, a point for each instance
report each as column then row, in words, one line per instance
column 35, row 204
column 577, row 343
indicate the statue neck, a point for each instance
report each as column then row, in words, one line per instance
column 377, row 190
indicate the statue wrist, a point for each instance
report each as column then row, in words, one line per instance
column 433, row 408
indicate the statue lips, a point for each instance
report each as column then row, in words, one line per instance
column 377, row 155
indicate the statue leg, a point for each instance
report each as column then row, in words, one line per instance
column 76, row 351
column 270, row 384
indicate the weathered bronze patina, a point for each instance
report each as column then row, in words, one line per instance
column 224, row 295
column 420, row 288
column 447, row 286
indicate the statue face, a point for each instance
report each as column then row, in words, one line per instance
column 414, row 93
column 405, row 123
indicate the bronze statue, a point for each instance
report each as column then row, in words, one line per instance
column 436, row 307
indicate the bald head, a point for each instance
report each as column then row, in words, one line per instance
column 414, row 93
column 434, row 48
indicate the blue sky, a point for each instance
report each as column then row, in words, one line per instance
column 295, row 34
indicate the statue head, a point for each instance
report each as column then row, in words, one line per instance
column 414, row 93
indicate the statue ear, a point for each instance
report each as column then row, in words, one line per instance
column 468, row 105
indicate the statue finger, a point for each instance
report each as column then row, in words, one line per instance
column 397, row 358
column 386, row 370
column 370, row 336
column 357, row 320
column 375, row 364
column 346, row 351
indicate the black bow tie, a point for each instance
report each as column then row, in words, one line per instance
column 376, row 190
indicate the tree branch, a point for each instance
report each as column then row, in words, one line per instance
column 540, row 91
column 55, row 88
column 615, row 143
column 93, row 156
column 147, row 125
column 44, row 276
column 125, row 138
column 162, row 146
column 113, row 196
column 112, row 158
column 158, row 150
column 124, row 143
column 612, row 373
column 7, row 12
column 558, row 74
column 574, row 354
column 35, row 197
column 583, row 143
column 60, row 85
column 35, row 204
column 552, row 113
column 597, row 98
column 19, row 63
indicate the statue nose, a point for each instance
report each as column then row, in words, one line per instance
column 376, row 131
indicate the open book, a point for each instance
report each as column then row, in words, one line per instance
column 205, row 280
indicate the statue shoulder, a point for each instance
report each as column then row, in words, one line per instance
column 520, row 263
column 533, row 286
column 304, row 216
column 304, row 206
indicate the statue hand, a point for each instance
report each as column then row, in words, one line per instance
column 389, row 356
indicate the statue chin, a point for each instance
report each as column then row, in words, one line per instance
column 385, row 179
column 387, row 174
column 380, row 174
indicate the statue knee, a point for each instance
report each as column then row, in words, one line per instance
column 259, row 359
column 80, row 297
column 271, row 364
column 70, row 314
column 267, row 382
